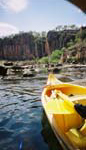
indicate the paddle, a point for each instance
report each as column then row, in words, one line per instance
column 60, row 105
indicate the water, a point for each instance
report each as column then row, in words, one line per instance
column 23, row 123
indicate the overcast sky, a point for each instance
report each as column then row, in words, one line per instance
column 37, row 15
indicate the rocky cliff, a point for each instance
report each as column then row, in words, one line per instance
column 22, row 47
column 27, row 46
column 60, row 39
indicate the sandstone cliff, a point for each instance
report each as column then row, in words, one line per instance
column 27, row 46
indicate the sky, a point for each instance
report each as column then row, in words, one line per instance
column 37, row 15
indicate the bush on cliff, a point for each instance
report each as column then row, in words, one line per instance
column 53, row 58
column 43, row 60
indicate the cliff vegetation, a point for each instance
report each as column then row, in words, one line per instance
column 64, row 44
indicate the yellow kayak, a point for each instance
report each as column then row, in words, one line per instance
column 58, row 101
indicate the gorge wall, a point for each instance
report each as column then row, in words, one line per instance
column 26, row 46
column 21, row 47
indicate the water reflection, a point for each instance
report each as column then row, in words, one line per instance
column 48, row 134
column 20, row 114
column 23, row 123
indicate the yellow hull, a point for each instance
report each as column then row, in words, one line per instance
column 64, row 125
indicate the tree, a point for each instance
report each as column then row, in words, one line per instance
column 65, row 27
column 55, row 56
column 59, row 28
column 81, row 34
column 44, row 34
column 73, row 27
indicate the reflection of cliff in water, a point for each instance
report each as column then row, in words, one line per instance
column 48, row 134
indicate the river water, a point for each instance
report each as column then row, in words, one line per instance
column 23, row 123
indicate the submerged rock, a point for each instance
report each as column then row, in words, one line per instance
column 3, row 71
column 29, row 73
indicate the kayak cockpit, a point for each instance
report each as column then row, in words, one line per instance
column 59, row 100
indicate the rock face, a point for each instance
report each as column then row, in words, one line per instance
column 26, row 46
column 58, row 40
column 81, row 55
column 77, row 54
column 21, row 47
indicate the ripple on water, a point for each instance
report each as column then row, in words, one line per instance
column 21, row 115
column 5, row 134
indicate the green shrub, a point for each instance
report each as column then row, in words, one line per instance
column 69, row 44
column 55, row 56
column 43, row 60
column 71, row 59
